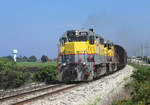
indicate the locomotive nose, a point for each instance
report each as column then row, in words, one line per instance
column 75, row 48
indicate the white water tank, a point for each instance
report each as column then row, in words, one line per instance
column 15, row 51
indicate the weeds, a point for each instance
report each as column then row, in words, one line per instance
column 140, row 87
column 14, row 76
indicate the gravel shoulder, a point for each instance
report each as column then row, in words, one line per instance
column 118, row 91
column 98, row 92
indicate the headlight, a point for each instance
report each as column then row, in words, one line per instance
column 84, row 63
column 64, row 64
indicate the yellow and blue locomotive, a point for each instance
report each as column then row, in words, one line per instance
column 84, row 55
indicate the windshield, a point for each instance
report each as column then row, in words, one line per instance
column 73, row 37
column 77, row 38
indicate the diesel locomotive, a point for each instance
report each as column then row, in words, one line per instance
column 84, row 55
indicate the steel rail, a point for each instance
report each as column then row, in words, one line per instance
column 30, row 92
column 26, row 89
column 46, row 94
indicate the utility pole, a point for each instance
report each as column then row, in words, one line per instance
column 142, row 52
column 147, row 52
column 139, row 52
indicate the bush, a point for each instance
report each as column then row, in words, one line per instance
column 32, row 59
column 44, row 58
column 9, row 58
column 141, row 75
column 13, row 79
column 140, row 86
column 5, row 64
column 141, row 92
column 122, row 102
column 12, row 76
column 25, row 59
column 46, row 74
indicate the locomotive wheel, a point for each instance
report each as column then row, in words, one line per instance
column 95, row 75
column 82, row 74
column 113, row 67
column 97, row 72
column 60, row 76
column 116, row 67
column 63, row 75
column 91, row 76
column 109, row 68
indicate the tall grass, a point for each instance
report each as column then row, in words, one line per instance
column 36, row 64
column 140, row 87
column 14, row 75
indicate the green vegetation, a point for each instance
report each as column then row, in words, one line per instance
column 46, row 74
column 95, row 102
column 32, row 59
column 14, row 75
column 140, row 87
column 44, row 58
column 36, row 64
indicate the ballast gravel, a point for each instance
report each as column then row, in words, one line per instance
column 23, row 89
column 93, row 91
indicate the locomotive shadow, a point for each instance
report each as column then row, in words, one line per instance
column 65, row 82
column 110, row 73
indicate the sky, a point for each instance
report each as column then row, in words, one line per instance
column 34, row 26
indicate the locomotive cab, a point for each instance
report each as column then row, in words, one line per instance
column 77, row 43
column 77, row 51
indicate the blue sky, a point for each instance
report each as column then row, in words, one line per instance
column 34, row 26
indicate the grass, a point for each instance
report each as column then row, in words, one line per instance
column 139, row 87
column 36, row 64
column 126, row 78
column 112, row 91
column 95, row 102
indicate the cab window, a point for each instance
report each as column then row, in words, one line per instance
column 63, row 41
column 101, row 41
column 109, row 46
column 105, row 45
column 91, row 39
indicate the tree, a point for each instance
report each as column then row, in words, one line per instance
column 10, row 58
column 25, row 59
column 22, row 59
column 44, row 58
column 19, row 58
column 32, row 59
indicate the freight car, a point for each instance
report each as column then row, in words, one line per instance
column 83, row 55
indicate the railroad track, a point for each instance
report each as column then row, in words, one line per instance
column 23, row 98
column 16, row 99
column 10, row 99
column 14, row 92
